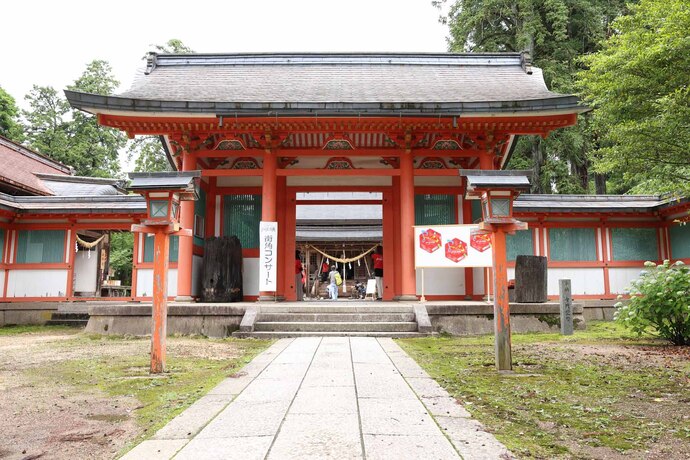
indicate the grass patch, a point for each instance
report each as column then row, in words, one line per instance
column 162, row 396
column 600, row 388
column 35, row 329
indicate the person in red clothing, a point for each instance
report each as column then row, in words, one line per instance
column 377, row 258
column 325, row 269
column 299, row 287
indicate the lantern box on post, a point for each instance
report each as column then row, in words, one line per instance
column 163, row 192
column 497, row 191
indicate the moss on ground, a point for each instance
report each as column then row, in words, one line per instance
column 599, row 388
column 33, row 329
column 162, row 396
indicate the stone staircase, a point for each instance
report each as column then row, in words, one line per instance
column 346, row 318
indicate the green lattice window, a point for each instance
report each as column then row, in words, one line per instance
column 199, row 218
column 159, row 208
column 241, row 217
column 635, row 244
column 572, row 244
column 41, row 246
column 680, row 241
column 519, row 244
column 174, row 248
column 434, row 209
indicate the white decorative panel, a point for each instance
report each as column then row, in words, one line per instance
column 584, row 281
column 620, row 278
column 37, row 283
column 145, row 282
column 441, row 281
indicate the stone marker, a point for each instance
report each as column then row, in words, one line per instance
column 566, row 301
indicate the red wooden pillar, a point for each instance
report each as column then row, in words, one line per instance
column 502, row 345
column 284, row 259
column 389, row 246
column 393, row 260
column 268, row 203
column 408, row 279
column 210, row 221
column 290, row 233
column 161, row 248
column 185, row 253
column 486, row 160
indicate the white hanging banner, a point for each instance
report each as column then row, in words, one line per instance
column 268, row 256
column 446, row 246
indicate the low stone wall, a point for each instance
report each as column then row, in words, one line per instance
column 186, row 319
column 477, row 319
column 24, row 313
column 599, row 310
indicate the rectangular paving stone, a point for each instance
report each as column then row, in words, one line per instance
column 470, row 439
column 194, row 418
column 329, row 377
column 402, row 417
column 387, row 447
column 231, row 386
column 426, row 387
column 445, row 406
column 292, row 371
column 269, row 390
column 318, row 436
column 231, row 448
column 247, row 418
column 325, row 400
column 155, row 449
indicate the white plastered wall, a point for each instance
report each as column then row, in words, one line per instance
column 86, row 270
column 441, row 281
column 584, row 281
column 620, row 278
column 2, row 283
column 37, row 283
column 145, row 282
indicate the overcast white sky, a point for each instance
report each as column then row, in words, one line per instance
column 50, row 42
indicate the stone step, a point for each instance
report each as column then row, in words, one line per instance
column 359, row 307
column 355, row 326
column 269, row 335
column 336, row 317
column 75, row 319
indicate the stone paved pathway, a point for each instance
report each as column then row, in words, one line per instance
column 332, row 397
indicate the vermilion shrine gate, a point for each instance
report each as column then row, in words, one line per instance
column 264, row 127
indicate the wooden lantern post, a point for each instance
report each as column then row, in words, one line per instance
column 163, row 193
column 498, row 190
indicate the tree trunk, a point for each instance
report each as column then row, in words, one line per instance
column 600, row 184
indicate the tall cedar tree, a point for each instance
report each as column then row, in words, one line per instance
column 9, row 117
column 555, row 33
column 71, row 136
column 639, row 84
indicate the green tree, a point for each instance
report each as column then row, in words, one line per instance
column 174, row 46
column 555, row 33
column 639, row 85
column 71, row 136
column 9, row 117
column 121, row 256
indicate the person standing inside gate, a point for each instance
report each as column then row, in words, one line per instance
column 377, row 258
column 333, row 286
column 299, row 287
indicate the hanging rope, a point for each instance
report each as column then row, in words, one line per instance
column 90, row 245
column 343, row 260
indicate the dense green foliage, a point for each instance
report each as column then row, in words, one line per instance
column 555, row 33
column 121, row 256
column 639, row 84
column 659, row 303
column 72, row 136
column 9, row 117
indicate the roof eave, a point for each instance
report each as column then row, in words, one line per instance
column 95, row 103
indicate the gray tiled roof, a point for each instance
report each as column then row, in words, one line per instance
column 366, row 83
column 81, row 186
column 104, row 204
column 590, row 203
column 163, row 180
